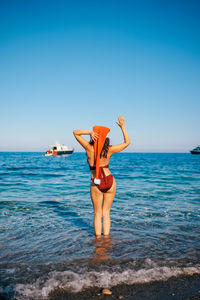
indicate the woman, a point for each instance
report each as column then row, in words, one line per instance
column 102, row 198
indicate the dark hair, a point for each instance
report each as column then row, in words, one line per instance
column 106, row 145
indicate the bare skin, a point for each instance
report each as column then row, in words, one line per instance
column 102, row 202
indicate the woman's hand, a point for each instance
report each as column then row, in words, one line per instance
column 121, row 121
column 94, row 136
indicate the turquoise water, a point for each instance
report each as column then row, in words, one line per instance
column 46, row 224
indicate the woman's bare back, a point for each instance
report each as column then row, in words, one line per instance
column 103, row 161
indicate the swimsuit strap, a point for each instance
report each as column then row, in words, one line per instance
column 104, row 167
column 101, row 172
column 94, row 167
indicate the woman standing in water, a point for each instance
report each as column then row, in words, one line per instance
column 102, row 190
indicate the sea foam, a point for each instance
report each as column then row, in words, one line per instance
column 74, row 282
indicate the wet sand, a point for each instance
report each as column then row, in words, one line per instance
column 176, row 288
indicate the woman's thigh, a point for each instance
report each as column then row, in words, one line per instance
column 109, row 197
column 97, row 197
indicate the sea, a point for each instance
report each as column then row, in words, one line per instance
column 47, row 238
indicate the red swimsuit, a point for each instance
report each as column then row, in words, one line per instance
column 106, row 181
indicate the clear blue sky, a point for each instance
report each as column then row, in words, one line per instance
column 68, row 65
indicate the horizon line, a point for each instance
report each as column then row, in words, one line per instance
column 7, row 151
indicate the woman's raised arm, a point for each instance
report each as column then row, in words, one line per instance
column 120, row 147
column 81, row 140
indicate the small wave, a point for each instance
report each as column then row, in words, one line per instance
column 23, row 168
column 3, row 173
column 52, row 175
column 11, row 184
column 76, row 282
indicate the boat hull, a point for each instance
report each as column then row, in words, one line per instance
column 195, row 152
column 59, row 153
column 67, row 152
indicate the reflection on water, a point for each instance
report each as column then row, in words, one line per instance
column 103, row 249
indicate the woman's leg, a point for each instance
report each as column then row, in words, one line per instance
column 97, row 199
column 107, row 203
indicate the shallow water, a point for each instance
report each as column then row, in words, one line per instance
column 46, row 224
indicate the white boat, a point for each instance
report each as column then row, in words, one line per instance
column 59, row 150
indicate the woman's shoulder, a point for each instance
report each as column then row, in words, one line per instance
column 90, row 152
column 110, row 150
column 90, row 148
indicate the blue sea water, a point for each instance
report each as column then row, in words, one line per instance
column 46, row 226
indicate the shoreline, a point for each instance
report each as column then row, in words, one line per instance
column 184, row 287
